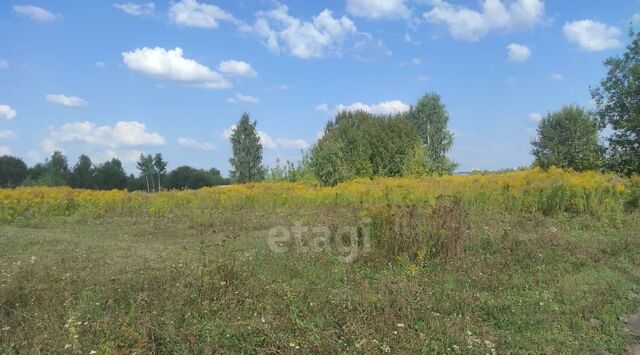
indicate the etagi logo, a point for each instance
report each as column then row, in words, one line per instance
column 347, row 242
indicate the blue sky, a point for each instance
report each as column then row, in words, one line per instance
column 120, row 78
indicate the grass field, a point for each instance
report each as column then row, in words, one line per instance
column 525, row 262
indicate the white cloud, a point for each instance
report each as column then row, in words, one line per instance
column 194, row 144
column 4, row 64
column 635, row 18
column 100, row 65
column 130, row 156
column 518, row 53
column 171, row 65
column 35, row 13
column 122, row 134
column 137, row 9
column 376, row 9
column 272, row 143
column 423, row 78
column 191, row 13
column 535, row 117
column 323, row 35
column 7, row 112
column 323, row 107
column 70, row 101
column 592, row 36
column 237, row 68
column 7, row 134
column 556, row 77
column 5, row 150
column 242, row 99
column 382, row 108
column 471, row 25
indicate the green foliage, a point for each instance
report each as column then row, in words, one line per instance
column 416, row 164
column 110, row 175
column 186, row 177
column 568, row 139
column 13, row 171
column 58, row 169
column 147, row 169
column 618, row 108
column 293, row 172
column 83, row 172
column 247, row 152
column 430, row 117
column 361, row 144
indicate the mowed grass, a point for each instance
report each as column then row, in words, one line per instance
column 211, row 284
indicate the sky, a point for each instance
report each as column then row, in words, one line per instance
column 117, row 79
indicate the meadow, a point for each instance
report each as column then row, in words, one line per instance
column 529, row 261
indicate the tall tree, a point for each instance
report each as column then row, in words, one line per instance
column 430, row 117
column 361, row 144
column 110, row 175
column 617, row 101
column 160, row 166
column 82, row 173
column 568, row 139
column 58, row 169
column 13, row 171
column 246, row 162
column 145, row 166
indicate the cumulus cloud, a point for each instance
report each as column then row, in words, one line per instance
column 190, row 13
column 382, row 108
column 35, row 13
column 7, row 112
column 592, row 36
column 272, row 143
column 69, row 101
column 518, row 53
column 7, row 134
column 237, row 68
column 471, row 25
column 377, row 9
column 535, row 117
column 242, row 99
column 137, row 9
column 4, row 64
column 5, row 150
column 194, row 144
column 172, row 65
column 323, row 35
column 122, row 134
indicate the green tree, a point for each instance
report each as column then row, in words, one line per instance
column 146, row 168
column 110, row 175
column 57, row 169
column 568, row 139
column 13, row 171
column 186, row 177
column 361, row 144
column 246, row 162
column 617, row 101
column 431, row 118
column 82, row 174
column 160, row 167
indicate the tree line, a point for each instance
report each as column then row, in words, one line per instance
column 356, row 144
column 571, row 136
column 153, row 175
